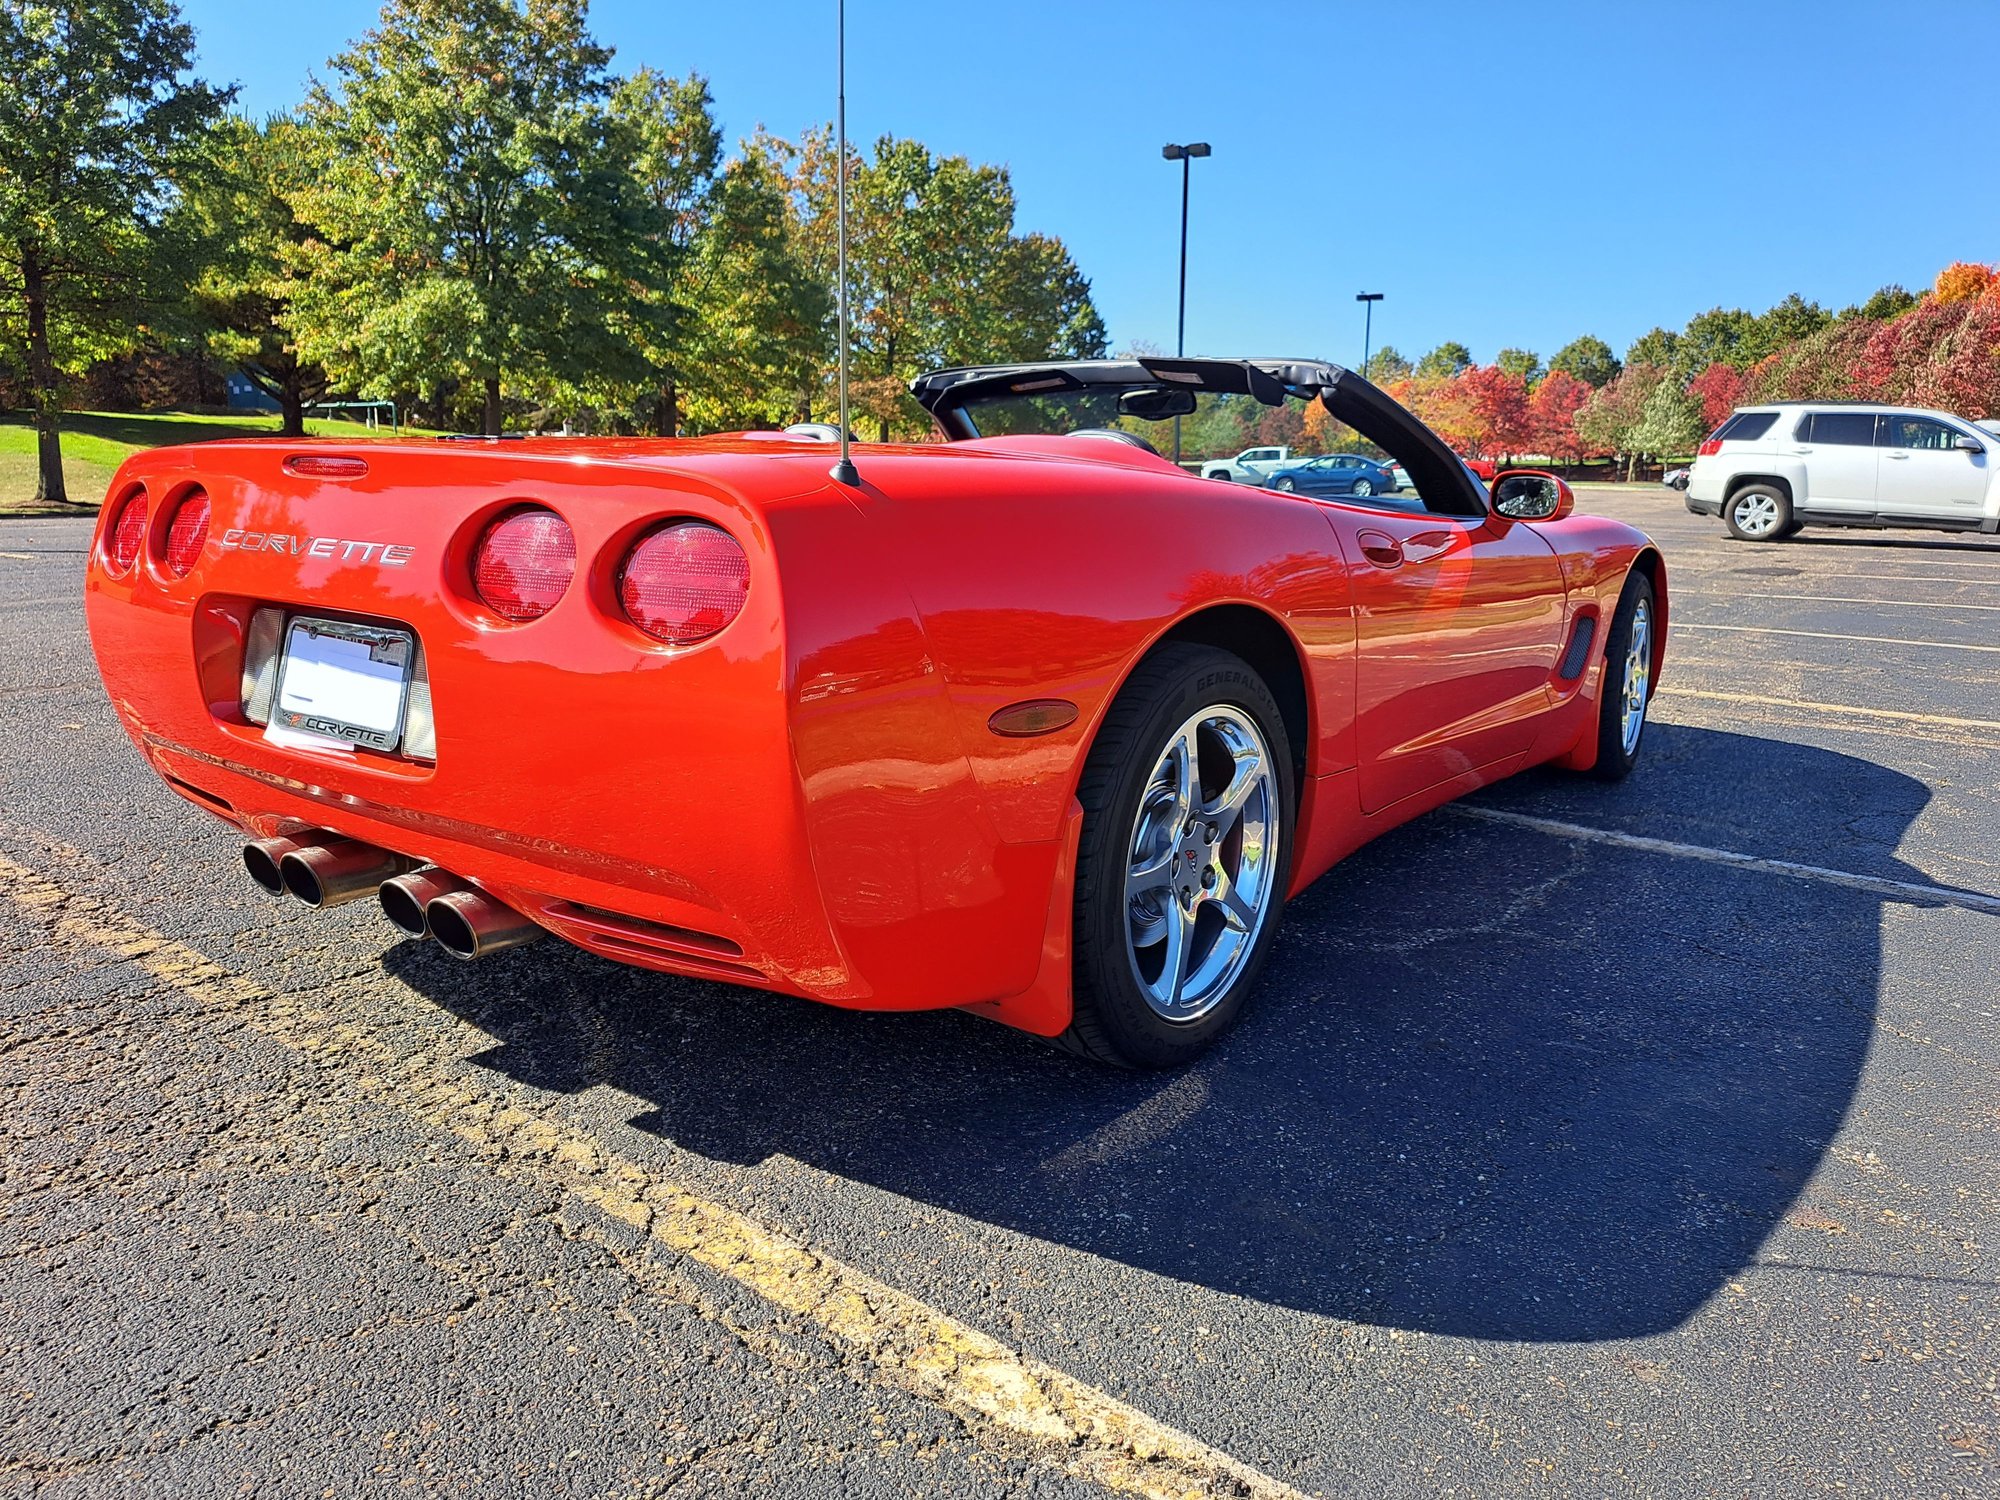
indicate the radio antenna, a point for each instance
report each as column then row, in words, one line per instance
column 843, row 472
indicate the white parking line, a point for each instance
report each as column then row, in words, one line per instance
column 1901, row 716
column 1836, row 635
column 1898, row 890
column 1885, row 603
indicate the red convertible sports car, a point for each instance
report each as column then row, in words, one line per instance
column 1028, row 721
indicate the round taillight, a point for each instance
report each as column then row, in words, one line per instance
column 128, row 533
column 684, row 582
column 523, row 563
column 188, row 533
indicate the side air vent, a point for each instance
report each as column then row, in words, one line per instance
column 1577, row 656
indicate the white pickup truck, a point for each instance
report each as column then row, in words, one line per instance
column 1251, row 466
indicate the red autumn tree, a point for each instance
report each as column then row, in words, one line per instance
column 1720, row 389
column 1895, row 355
column 1962, row 373
column 1552, row 414
column 1499, row 404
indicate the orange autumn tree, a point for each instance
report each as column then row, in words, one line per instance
column 1963, row 281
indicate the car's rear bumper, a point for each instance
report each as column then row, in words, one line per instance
column 1700, row 506
column 703, row 811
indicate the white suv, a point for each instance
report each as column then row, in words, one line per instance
column 1769, row 470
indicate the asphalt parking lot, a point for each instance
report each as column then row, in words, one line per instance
column 1589, row 1140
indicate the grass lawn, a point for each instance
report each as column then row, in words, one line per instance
column 94, row 444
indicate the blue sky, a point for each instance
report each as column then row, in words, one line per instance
column 1506, row 173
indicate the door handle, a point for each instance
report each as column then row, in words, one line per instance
column 1381, row 549
column 1899, row 457
column 1802, row 450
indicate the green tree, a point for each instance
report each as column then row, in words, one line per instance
column 1720, row 336
column 1789, row 321
column 1657, row 347
column 1610, row 423
column 484, row 224
column 254, row 238
column 1670, row 422
column 1446, row 360
column 937, row 275
column 668, row 124
column 1589, row 359
column 100, row 129
column 1888, row 302
column 1387, row 364
column 1522, row 362
column 759, row 321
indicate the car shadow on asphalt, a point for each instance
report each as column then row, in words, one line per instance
column 1498, row 1082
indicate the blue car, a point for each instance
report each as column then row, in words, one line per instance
column 1336, row 474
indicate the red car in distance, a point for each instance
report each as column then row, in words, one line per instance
column 1029, row 722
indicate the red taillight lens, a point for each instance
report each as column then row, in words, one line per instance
column 684, row 582
column 128, row 534
column 1709, row 448
column 326, row 466
column 188, row 534
column 523, row 564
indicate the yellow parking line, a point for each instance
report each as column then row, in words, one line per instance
column 902, row 1342
column 1899, row 715
column 1835, row 635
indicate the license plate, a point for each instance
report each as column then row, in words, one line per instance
column 349, row 681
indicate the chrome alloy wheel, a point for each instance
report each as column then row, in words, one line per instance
column 1755, row 515
column 1638, row 677
column 1201, row 877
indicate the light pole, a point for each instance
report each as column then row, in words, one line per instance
column 1184, row 155
column 1368, row 300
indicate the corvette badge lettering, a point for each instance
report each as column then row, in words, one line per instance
column 384, row 554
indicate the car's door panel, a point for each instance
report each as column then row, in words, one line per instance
column 1459, row 626
column 1841, row 460
column 1924, row 475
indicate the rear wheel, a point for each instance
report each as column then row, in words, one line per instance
column 1363, row 488
column 1758, row 513
column 1627, row 692
column 1183, row 861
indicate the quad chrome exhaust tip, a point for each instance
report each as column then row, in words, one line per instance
column 263, row 858
column 339, row 871
column 470, row 924
column 405, row 898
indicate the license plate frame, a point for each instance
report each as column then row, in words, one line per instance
column 342, row 697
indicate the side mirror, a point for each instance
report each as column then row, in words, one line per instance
column 1530, row 495
column 1155, row 403
column 1969, row 445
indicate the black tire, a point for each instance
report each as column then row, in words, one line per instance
column 1615, row 759
column 1224, row 475
column 1792, row 528
column 1113, row 1021
column 1363, row 489
column 1758, row 501
column 1287, row 484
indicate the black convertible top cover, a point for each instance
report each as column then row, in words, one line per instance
column 1440, row 475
